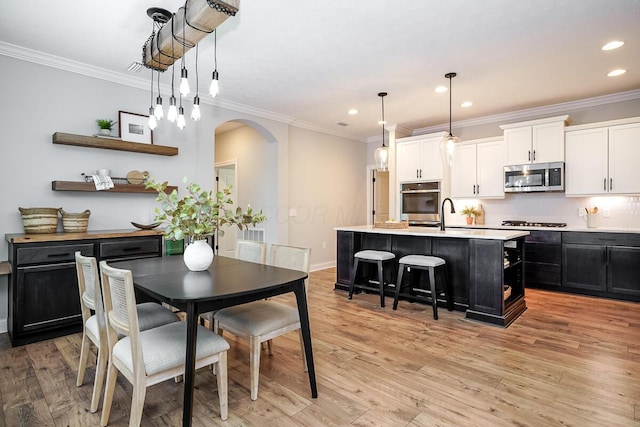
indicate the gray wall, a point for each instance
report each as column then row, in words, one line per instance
column 39, row 101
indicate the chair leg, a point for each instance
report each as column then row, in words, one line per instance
column 398, row 285
column 84, row 355
column 112, row 375
column 269, row 347
column 216, row 329
column 137, row 404
column 353, row 278
column 381, row 283
column 223, row 393
column 304, row 356
column 101, row 371
column 434, row 295
column 254, row 365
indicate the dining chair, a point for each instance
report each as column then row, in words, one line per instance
column 149, row 357
column 94, row 327
column 246, row 250
column 261, row 321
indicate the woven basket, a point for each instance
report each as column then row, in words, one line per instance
column 39, row 220
column 75, row 222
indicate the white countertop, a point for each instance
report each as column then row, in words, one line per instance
column 489, row 234
column 569, row 228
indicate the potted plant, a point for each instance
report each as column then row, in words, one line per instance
column 470, row 212
column 105, row 126
column 197, row 215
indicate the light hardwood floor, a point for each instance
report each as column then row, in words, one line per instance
column 567, row 361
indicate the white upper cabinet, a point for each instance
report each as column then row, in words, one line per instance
column 477, row 169
column 603, row 160
column 535, row 141
column 420, row 160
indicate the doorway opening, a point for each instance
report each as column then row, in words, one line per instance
column 226, row 175
column 377, row 196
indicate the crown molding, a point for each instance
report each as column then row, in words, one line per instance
column 41, row 58
column 504, row 118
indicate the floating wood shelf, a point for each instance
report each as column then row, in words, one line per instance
column 112, row 144
column 118, row 188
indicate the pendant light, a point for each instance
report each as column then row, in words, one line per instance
column 382, row 153
column 184, row 81
column 214, row 88
column 450, row 140
column 195, row 111
column 172, row 114
column 153, row 123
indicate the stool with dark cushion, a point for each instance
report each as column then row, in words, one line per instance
column 429, row 263
column 373, row 257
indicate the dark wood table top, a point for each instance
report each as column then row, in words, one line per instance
column 227, row 279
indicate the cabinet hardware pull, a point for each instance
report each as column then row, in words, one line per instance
column 58, row 255
column 474, row 189
column 478, row 189
column 529, row 155
column 534, row 155
column 604, row 184
column 610, row 184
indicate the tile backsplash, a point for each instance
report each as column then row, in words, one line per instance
column 621, row 211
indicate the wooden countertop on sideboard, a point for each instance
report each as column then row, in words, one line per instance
column 91, row 234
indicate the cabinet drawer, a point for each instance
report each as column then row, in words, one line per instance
column 130, row 248
column 544, row 237
column 52, row 254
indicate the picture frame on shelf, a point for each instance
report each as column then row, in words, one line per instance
column 134, row 127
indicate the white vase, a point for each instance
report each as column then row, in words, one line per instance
column 105, row 132
column 198, row 256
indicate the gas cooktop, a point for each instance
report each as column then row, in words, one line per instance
column 518, row 223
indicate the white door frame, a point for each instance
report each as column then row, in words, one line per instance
column 216, row 166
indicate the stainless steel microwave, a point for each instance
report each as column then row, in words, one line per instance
column 534, row 177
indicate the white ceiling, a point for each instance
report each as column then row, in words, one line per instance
column 311, row 61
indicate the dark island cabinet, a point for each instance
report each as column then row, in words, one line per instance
column 602, row 264
column 43, row 290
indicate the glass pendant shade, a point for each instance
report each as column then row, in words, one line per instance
column 172, row 114
column 381, row 156
column 181, row 122
column 184, row 83
column 153, row 123
column 450, row 142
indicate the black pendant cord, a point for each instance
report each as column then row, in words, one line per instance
column 450, row 76
column 382, row 95
column 197, row 79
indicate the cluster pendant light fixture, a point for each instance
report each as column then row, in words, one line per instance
column 381, row 154
column 450, row 140
column 191, row 23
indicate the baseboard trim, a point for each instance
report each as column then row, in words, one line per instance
column 323, row 265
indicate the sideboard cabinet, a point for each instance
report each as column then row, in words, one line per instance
column 43, row 287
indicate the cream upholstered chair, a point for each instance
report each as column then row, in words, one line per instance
column 246, row 250
column 149, row 357
column 94, row 327
column 261, row 321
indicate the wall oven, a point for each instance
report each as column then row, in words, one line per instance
column 420, row 203
column 534, row 177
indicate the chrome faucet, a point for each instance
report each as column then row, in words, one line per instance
column 453, row 210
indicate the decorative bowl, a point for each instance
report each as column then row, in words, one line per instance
column 145, row 226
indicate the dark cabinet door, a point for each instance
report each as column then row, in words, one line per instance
column 455, row 252
column 543, row 254
column 46, row 297
column 584, row 266
column 624, row 270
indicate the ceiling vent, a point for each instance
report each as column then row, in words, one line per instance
column 134, row 66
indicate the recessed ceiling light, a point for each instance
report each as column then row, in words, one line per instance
column 342, row 124
column 466, row 104
column 352, row 111
column 441, row 89
column 617, row 72
column 612, row 45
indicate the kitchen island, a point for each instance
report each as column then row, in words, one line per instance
column 480, row 264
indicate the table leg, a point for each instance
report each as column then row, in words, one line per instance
column 303, row 313
column 190, row 362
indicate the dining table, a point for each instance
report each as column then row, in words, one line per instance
column 227, row 282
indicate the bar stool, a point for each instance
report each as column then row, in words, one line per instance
column 429, row 263
column 373, row 257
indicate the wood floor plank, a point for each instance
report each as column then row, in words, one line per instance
column 569, row 360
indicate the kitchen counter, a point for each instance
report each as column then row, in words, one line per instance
column 91, row 234
column 567, row 228
column 479, row 262
column 505, row 233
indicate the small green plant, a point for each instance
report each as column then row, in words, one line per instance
column 105, row 124
column 200, row 213
column 469, row 211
